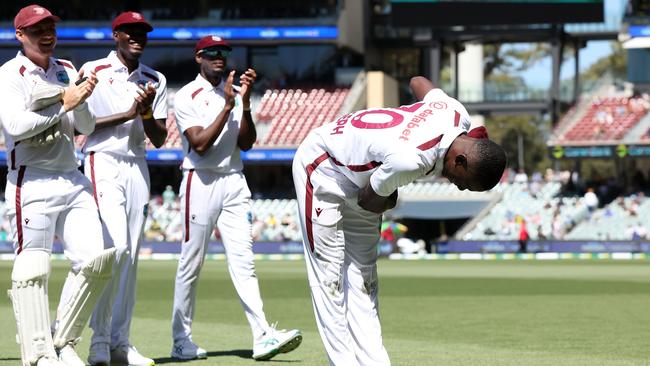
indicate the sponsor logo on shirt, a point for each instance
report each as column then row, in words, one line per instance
column 63, row 77
column 414, row 123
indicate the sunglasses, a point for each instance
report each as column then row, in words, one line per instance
column 213, row 54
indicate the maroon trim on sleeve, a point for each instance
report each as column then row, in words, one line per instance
column 102, row 67
column 430, row 144
column 197, row 91
column 65, row 64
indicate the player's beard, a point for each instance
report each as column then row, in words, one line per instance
column 214, row 74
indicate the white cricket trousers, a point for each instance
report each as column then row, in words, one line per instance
column 209, row 198
column 43, row 203
column 121, row 191
column 340, row 244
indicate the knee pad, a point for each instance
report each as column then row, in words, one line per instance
column 28, row 296
column 87, row 287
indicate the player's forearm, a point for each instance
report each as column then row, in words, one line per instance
column 24, row 124
column 82, row 120
column 371, row 201
column 420, row 86
column 155, row 130
column 204, row 139
column 247, row 132
column 397, row 170
column 112, row 120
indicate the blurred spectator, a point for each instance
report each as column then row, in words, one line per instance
column 523, row 236
column 636, row 232
column 591, row 200
column 169, row 196
column 408, row 246
column 521, row 176
column 390, row 231
column 154, row 233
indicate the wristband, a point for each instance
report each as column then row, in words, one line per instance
column 147, row 115
column 247, row 109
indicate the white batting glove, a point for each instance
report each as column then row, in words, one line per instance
column 49, row 136
column 44, row 95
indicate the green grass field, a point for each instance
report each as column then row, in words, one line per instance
column 433, row 313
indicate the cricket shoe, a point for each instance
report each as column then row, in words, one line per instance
column 99, row 354
column 185, row 349
column 276, row 341
column 69, row 357
column 49, row 361
column 128, row 355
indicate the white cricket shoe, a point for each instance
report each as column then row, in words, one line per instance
column 188, row 350
column 99, row 354
column 49, row 361
column 128, row 355
column 276, row 341
column 69, row 357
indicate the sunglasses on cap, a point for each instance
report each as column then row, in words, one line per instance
column 212, row 54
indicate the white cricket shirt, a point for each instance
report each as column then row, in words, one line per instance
column 198, row 104
column 391, row 147
column 115, row 93
column 18, row 77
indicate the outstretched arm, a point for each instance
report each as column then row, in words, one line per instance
column 420, row 86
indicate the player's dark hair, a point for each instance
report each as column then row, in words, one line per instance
column 488, row 163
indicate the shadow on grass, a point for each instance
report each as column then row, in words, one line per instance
column 241, row 353
column 9, row 359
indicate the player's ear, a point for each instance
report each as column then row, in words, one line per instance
column 19, row 35
column 197, row 58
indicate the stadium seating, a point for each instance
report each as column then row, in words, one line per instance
column 272, row 220
column 546, row 214
column 292, row 113
column 616, row 221
column 434, row 189
column 606, row 119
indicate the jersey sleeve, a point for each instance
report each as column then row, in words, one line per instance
column 160, row 101
column 16, row 119
column 186, row 116
column 87, row 68
column 398, row 168
column 81, row 118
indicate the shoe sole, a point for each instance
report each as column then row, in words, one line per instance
column 291, row 344
column 198, row 357
column 287, row 346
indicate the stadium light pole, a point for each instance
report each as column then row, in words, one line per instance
column 520, row 149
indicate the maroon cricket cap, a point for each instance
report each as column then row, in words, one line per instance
column 131, row 17
column 31, row 15
column 211, row 41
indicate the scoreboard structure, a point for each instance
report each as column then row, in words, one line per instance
column 493, row 12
